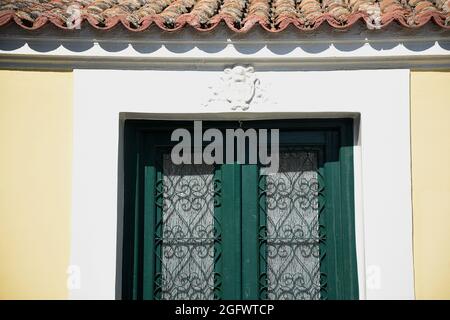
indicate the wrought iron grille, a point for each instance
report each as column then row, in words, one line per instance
column 292, row 236
column 188, row 239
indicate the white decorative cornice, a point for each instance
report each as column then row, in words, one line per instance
column 393, row 47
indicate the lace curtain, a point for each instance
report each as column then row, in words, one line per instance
column 293, row 259
column 188, row 231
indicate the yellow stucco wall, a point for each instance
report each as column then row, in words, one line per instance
column 35, row 178
column 430, row 127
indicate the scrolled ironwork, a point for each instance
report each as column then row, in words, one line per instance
column 188, row 234
column 291, row 233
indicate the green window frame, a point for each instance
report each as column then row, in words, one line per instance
column 240, row 267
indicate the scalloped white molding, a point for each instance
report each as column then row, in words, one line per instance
column 357, row 48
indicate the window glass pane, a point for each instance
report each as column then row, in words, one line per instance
column 187, row 254
column 292, row 221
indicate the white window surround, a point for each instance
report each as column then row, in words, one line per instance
column 377, row 99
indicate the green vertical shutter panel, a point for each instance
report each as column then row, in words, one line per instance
column 149, row 225
column 332, row 213
column 231, row 227
column 250, row 232
column 138, row 221
column 240, row 215
column 128, row 258
column 351, row 289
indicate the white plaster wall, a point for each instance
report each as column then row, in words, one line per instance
column 382, row 158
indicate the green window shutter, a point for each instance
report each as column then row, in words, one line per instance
column 240, row 213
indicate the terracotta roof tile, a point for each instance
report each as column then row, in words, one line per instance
column 239, row 15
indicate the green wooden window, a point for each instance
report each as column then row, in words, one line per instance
column 227, row 231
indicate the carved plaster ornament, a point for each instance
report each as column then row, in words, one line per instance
column 239, row 88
